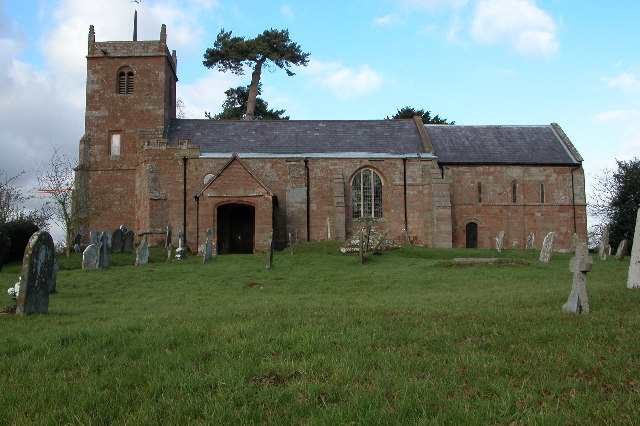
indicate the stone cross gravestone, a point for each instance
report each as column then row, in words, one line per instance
column 530, row 241
column 622, row 250
column 603, row 245
column 547, row 247
column 37, row 271
column 5, row 243
column 117, row 241
column 181, row 251
column 103, row 256
column 208, row 247
column 142, row 253
column 633, row 281
column 578, row 301
column 90, row 256
column 575, row 240
column 127, row 244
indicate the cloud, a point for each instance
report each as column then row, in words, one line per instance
column 345, row 83
column 629, row 83
column 207, row 94
column 430, row 5
column 286, row 10
column 390, row 19
column 518, row 23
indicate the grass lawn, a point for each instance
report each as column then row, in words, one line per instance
column 405, row 339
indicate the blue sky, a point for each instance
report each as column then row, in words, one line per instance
column 521, row 62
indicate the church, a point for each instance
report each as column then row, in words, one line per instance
column 431, row 185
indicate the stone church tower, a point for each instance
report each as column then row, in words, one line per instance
column 130, row 99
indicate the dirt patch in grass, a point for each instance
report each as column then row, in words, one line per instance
column 254, row 284
column 481, row 262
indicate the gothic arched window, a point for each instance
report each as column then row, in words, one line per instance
column 125, row 81
column 366, row 194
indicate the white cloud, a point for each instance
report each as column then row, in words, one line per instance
column 390, row 19
column 519, row 23
column 627, row 82
column 431, row 5
column 286, row 10
column 345, row 83
column 207, row 94
column 628, row 120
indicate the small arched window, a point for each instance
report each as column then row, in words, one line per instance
column 542, row 193
column 125, row 81
column 479, row 192
column 366, row 194
column 514, row 192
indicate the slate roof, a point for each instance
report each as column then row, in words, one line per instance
column 499, row 145
column 394, row 137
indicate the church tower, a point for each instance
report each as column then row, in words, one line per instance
column 130, row 99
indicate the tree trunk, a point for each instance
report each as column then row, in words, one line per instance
column 253, row 90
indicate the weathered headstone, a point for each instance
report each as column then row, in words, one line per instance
column 622, row 250
column 405, row 235
column 77, row 239
column 603, row 245
column 181, row 251
column 54, row 276
column 531, row 241
column 634, row 266
column 270, row 251
column 362, row 246
column 328, row 229
column 142, row 252
column 90, row 256
column 5, row 243
column 515, row 244
column 117, row 241
column 497, row 244
column 37, row 271
column 208, row 247
column 575, row 240
column 580, row 264
column 500, row 241
column 127, row 245
column 123, row 229
column 94, row 237
column 547, row 247
column 290, row 244
column 167, row 241
column 103, row 256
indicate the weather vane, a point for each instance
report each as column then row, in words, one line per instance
column 135, row 21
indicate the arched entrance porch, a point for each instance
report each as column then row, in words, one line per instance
column 235, row 228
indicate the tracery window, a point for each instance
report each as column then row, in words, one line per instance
column 366, row 194
column 125, row 81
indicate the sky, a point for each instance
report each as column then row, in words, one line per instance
column 477, row 62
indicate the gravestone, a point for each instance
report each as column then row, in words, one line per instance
column 167, row 241
column 94, row 237
column 90, row 257
column 547, row 247
column 37, row 271
column 54, row 276
column 127, row 245
column 530, row 241
column 169, row 253
column 270, row 251
column 208, row 247
column 361, row 247
column 5, row 243
column 515, row 244
column 622, row 250
column 103, row 255
column 634, row 267
column 575, row 240
column 500, row 241
column 142, row 253
column 603, row 245
column 405, row 235
column 117, row 241
column 580, row 264
column 77, row 240
column 123, row 229
column 181, row 251
column 290, row 244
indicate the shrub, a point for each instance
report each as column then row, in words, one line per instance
column 19, row 232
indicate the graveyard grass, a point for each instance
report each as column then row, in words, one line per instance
column 407, row 338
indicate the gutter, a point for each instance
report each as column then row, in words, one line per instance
column 308, row 196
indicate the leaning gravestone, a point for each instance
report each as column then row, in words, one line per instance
column 622, row 250
column 37, row 272
column 208, row 247
column 90, row 257
column 634, row 267
column 603, row 245
column 117, row 241
column 103, row 256
column 142, row 253
column 127, row 246
column 578, row 301
column 5, row 243
column 530, row 241
column 547, row 247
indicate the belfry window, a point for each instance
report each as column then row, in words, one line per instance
column 514, row 192
column 125, row 81
column 366, row 194
column 479, row 192
column 542, row 193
